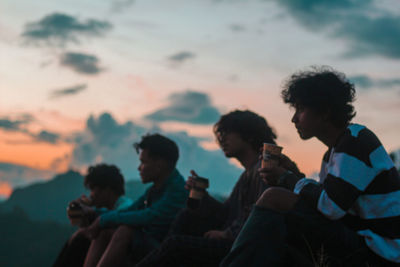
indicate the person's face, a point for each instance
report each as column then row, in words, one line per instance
column 231, row 144
column 149, row 168
column 100, row 197
column 307, row 122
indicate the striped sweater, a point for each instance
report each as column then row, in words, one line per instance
column 359, row 185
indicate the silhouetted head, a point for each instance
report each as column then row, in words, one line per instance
column 158, row 156
column 105, row 183
column 246, row 125
column 323, row 90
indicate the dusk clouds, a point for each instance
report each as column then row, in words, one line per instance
column 21, row 124
column 367, row 29
column 81, row 63
column 366, row 82
column 189, row 106
column 15, row 124
column 59, row 29
column 73, row 90
column 181, row 57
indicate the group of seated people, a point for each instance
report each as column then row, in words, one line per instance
column 274, row 216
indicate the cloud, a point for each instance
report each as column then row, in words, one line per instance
column 81, row 63
column 68, row 91
column 237, row 28
column 47, row 137
column 20, row 123
column 8, row 124
column 106, row 140
column 366, row 82
column 57, row 29
column 190, row 106
column 181, row 57
column 121, row 5
column 367, row 29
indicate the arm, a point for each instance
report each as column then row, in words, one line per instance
column 162, row 211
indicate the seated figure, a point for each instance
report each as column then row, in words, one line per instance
column 351, row 217
column 135, row 230
column 106, row 186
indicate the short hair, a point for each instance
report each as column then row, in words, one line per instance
column 251, row 127
column 322, row 89
column 103, row 175
column 159, row 147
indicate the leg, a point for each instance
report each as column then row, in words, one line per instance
column 277, row 199
column 187, row 222
column 118, row 248
column 187, row 250
column 97, row 247
column 322, row 240
column 261, row 242
column 74, row 251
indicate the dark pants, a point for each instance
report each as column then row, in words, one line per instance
column 301, row 237
column 73, row 253
column 185, row 246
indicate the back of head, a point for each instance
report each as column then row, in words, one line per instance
column 251, row 127
column 160, row 147
column 105, row 176
column 324, row 90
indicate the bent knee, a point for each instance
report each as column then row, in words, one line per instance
column 123, row 233
column 277, row 198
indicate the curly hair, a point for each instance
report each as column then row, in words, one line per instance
column 103, row 175
column 322, row 89
column 159, row 146
column 251, row 127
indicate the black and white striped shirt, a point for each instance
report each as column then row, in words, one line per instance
column 360, row 185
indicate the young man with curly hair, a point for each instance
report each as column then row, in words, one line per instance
column 351, row 217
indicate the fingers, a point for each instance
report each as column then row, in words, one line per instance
column 193, row 173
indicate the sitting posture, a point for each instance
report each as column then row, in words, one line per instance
column 138, row 228
column 351, row 217
column 203, row 236
column 106, row 186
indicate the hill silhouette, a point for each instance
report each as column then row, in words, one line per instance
column 27, row 243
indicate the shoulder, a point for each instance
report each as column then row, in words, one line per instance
column 359, row 142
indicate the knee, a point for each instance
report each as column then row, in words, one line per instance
column 172, row 242
column 277, row 198
column 268, row 198
column 123, row 234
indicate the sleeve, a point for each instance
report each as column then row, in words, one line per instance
column 162, row 211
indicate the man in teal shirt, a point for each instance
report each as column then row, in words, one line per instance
column 145, row 223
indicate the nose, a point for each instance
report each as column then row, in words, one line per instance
column 295, row 118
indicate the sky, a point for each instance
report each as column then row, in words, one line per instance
column 80, row 81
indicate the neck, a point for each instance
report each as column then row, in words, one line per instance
column 248, row 158
column 162, row 177
column 330, row 134
column 113, row 200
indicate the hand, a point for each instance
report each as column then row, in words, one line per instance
column 215, row 234
column 271, row 174
column 190, row 181
column 85, row 200
column 93, row 230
